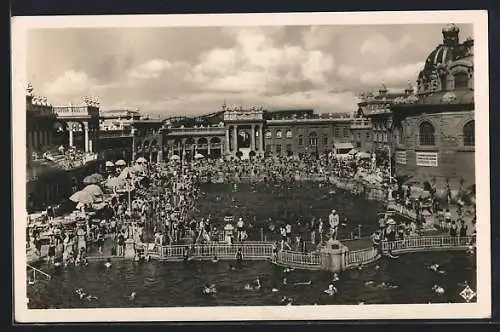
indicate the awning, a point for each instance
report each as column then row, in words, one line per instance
column 343, row 145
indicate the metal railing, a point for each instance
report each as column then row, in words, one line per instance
column 424, row 243
column 33, row 272
column 192, row 130
column 249, row 250
column 364, row 256
column 299, row 260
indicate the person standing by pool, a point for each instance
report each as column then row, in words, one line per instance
column 239, row 256
column 240, row 228
column 334, row 222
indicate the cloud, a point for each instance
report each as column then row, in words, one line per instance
column 256, row 63
column 396, row 75
column 150, row 69
column 318, row 36
column 383, row 49
column 71, row 83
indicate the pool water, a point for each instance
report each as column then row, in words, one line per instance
column 169, row 284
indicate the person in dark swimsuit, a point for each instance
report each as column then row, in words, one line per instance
column 239, row 257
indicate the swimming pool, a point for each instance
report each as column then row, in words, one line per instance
column 162, row 284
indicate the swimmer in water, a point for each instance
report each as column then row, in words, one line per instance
column 386, row 285
column 287, row 270
column 275, row 290
column 369, row 283
column 331, row 290
column 285, row 281
column 132, row 296
column 335, row 277
column 360, row 266
column 215, row 259
column 303, row 283
column 108, row 263
column 438, row 289
column 232, row 267
column 57, row 264
column 436, row 268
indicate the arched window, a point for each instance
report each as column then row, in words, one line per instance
column 269, row 134
column 427, row 134
column 301, row 140
column 288, row 134
column 313, row 138
column 443, row 82
column 469, row 134
column 399, row 134
column 461, row 80
column 325, row 139
column 278, row 134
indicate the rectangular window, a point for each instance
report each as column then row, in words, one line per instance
column 400, row 157
column 325, row 140
column 278, row 148
column 367, row 136
column 269, row 148
column 346, row 132
column 428, row 159
column 289, row 148
column 336, row 132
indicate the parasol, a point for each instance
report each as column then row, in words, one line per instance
column 175, row 157
column 109, row 164
column 97, row 177
column 120, row 162
column 82, row 197
column 93, row 189
column 363, row 155
column 199, row 156
column 89, row 180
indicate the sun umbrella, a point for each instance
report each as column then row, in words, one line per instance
column 89, row 179
column 141, row 160
column 120, row 162
column 109, row 164
column 199, row 156
column 93, row 189
column 175, row 157
column 82, row 197
column 97, row 177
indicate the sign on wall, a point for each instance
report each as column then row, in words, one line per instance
column 429, row 159
column 400, row 157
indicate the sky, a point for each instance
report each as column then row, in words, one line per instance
column 170, row 71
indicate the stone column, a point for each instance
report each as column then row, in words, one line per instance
column 252, row 138
column 208, row 148
column 227, row 140
column 90, row 146
column 235, row 139
column 86, row 128
column 261, row 140
column 129, row 248
column 70, row 126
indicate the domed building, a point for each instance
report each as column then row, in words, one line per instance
column 434, row 133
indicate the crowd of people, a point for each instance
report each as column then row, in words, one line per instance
column 162, row 207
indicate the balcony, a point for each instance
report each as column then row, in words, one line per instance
column 72, row 111
column 114, row 133
column 361, row 124
column 310, row 120
column 196, row 131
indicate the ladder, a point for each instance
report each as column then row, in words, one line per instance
column 33, row 272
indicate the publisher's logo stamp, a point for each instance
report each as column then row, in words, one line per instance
column 468, row 294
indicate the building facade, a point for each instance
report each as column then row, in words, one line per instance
column 435, row 133
column 246, row 133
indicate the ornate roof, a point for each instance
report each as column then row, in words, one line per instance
column 448, row 51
